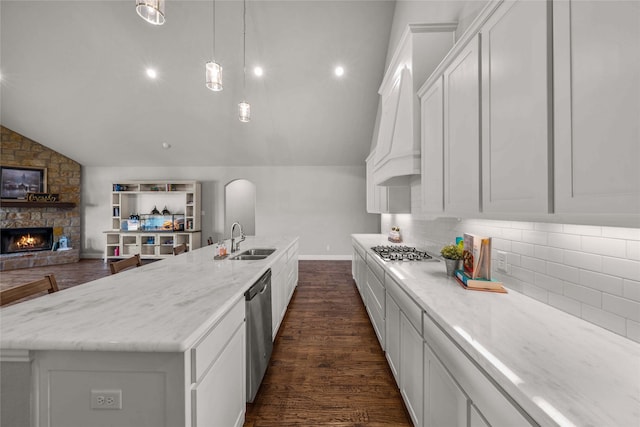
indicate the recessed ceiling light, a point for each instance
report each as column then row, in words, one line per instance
column 338, row 71
column 166, row 145
column 151, row 73
column 258, row 71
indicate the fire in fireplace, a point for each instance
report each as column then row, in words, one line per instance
column 15, row 240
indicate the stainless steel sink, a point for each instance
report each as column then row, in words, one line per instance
column 252, row 254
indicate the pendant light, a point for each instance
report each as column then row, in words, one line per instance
column 151, row 11
column 244, row 109
column 213, row 70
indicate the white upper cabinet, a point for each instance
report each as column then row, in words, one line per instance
column 396, row 199
column 432, row 148
column 516, row 141
column 597, row 106
column 462, row 131
column 397, row 152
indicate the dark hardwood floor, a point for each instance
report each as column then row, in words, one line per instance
column 327, row 367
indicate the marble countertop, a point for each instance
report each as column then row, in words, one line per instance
column 163, row 306
column 560, row 369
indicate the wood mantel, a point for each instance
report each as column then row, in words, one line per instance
column 28, row 204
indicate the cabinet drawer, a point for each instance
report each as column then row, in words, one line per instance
column 377, row 291
column 411, row 310
column 278, row 265
column 491, row 402
column 361, row 251
column 207, row 350
column 375, row 267
column 376, row 314
column 292, row 253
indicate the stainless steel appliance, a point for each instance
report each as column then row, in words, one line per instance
column 259, row 343
column 401, row 253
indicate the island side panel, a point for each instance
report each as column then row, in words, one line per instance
column 151, row 386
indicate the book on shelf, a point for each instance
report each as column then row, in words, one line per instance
column 468, row 282
column 476, row 256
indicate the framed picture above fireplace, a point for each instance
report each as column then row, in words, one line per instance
column 17, row 181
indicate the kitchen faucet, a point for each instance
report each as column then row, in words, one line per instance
column 242, row 237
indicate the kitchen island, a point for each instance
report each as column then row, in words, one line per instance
column 499, row 359
column 167, row 338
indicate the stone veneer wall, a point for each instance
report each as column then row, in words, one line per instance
column 63, row 177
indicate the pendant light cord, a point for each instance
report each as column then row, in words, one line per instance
column 214, row 30
column 244, row 47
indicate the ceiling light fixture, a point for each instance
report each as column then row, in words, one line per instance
column 339, row 71
column 244, row 108
column 151, row 73
column 151, row 11
column 258, row 71
column 213, row 70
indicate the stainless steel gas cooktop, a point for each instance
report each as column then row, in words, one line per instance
column 401, row 253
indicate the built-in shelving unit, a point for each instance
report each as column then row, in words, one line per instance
column 139, row 198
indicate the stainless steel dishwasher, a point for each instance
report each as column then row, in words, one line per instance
column 259, row 343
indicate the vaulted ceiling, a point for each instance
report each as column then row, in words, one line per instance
column 73, row 78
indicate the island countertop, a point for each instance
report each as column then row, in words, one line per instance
column 560, row 369
column 163, row 306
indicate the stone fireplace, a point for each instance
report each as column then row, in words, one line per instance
column 62, row 218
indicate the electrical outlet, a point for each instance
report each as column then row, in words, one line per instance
column 106, row 399
column 502, row 261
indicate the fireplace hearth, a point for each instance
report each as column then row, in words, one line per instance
column 20, row 240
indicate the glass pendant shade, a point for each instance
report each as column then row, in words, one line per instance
column 213, row 76
column 151, row 11
column 244, row 111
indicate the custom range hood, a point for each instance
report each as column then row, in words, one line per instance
column 397, row 150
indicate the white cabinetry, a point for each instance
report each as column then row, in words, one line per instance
column 284, row 278
column 386, row 199
column 516, row 96
column 392, row 325
column 181, row 198
column 596, row 47
column 445, row 404
column 375, row 300
column 462, row 132
column 432, row 115
column 419, row 51
column 359, row 268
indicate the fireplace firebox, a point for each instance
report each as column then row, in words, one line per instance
column 17, row 240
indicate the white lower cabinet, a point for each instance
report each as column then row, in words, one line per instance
column 375, row 304
column 392, row 324
column 445, row 404
column 284, row 278
column 411, row 368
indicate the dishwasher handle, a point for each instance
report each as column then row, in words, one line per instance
column 259, row 287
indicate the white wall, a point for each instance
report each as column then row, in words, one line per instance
column 321, row 205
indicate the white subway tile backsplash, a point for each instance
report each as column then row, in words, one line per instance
column 621, row 233
column 536, row 293
column 548, row 253
column 549, row 283
column 629, row 269
column 621, row 306
column 583, row 260
column 522, row 274
column 592, row 272
column 603, row 282
column 523, row 248
column 631, row 289
column 582, row 294
column 565, row 241
column 566, row 304
column 604, row 246
column 605, row 319
column 633, row 330
column 535, row 237
column 585, row 230
column 563, row 272
column 633, row 249
column 534, row 264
